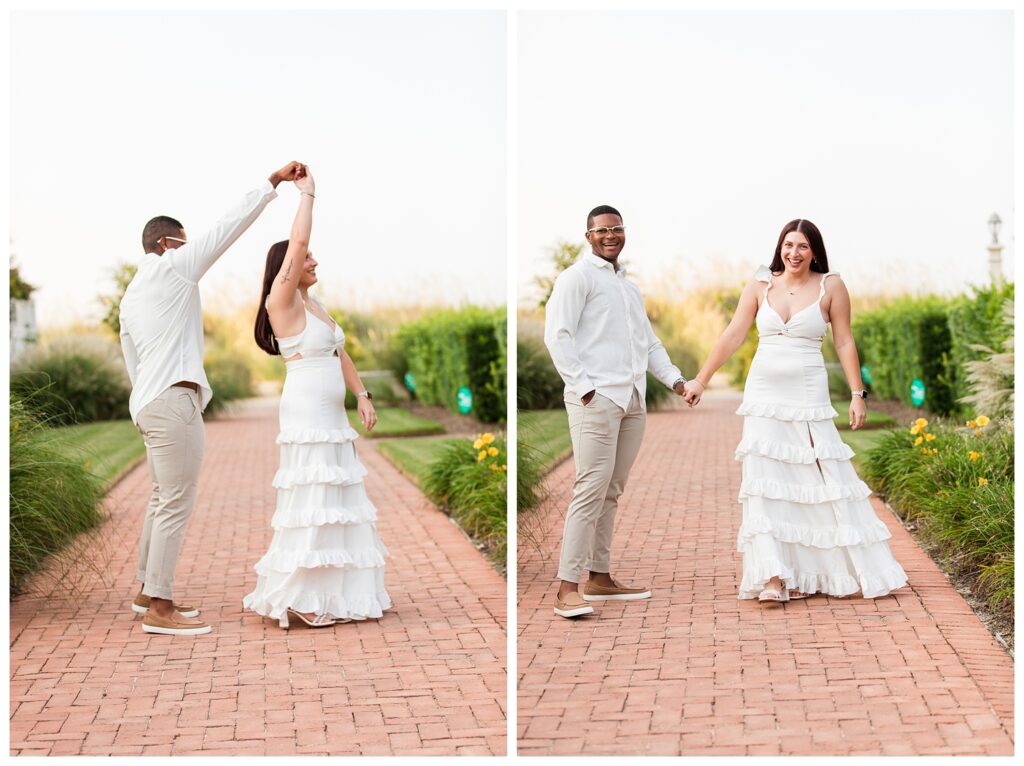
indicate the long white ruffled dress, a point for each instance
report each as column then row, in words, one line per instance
column 806, row 514
column 325, row 556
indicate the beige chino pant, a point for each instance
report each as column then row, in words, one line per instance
column 172, row 428
column 605, row 442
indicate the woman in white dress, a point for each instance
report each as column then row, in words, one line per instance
column 325, row 563
column 808, row 526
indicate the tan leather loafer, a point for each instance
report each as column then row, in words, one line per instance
column 141, row 605
column 572, row 606
column 175, row 626
column 594, row 592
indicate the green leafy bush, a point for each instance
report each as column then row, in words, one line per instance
column 452, row 349
column 230, row 378
column 469, row 481
column 906, row 340
column 53, row 497
column 538, row 384
column 958, row 487
column 74, row 379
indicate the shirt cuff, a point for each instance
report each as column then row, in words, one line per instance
column 583, row 387
column 267, row 188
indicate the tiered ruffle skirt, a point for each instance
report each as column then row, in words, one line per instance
column 325, row 555
column 806, row 514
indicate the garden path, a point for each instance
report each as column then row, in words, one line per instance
column 429, row 678
column 694, row 671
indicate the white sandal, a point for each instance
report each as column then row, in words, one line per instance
column 319, row 621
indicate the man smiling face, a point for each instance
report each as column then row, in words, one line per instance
column 607, row 235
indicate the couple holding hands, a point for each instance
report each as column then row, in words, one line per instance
column 808, row 527
column 325, row 563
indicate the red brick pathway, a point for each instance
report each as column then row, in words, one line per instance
column 427, row 679
column 694, row 671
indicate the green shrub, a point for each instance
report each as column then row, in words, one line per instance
column 908, row 339
column 382, row 385
column 538, row 384
column 452, row 349
column 230, row 378
column 74, row 379
column 53, row 497
column 961, row 505
column 471, row 485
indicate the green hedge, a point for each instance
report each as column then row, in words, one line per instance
column 905, row 340
column 930, row 338
column 452, row 349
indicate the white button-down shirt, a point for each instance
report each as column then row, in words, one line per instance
column 162, row 315
column 599, row 336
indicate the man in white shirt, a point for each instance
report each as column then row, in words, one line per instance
column 162, row 341
column 602, row 344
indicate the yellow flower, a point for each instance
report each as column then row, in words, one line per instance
column 487, row 438
column 982, row 421
column 921, row 423
column 917, row 441
column 982, row 481
column 924, row 451
column 971, row 424
column 482, row 455
column 504, row 467
column 493, row 467
column 973, row 455
column 478, row 444
column 492, row 451
column 977, row 432
column 935, row 452
column 929, row 437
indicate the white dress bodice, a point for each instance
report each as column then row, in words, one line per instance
column 316, row 338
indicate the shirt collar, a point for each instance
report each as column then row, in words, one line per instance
column 601, row 263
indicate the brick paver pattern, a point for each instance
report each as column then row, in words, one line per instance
column 695, row 671
column 428, row 678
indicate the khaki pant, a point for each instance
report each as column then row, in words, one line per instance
column 605, row 442
column 172, row 427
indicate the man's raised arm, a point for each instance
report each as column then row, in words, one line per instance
column 194, row 258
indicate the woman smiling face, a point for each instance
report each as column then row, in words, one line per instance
column 796, row 253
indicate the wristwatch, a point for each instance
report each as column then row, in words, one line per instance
column 863, row 394
column 367, row 394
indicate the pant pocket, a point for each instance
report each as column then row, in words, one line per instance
column 186, row 407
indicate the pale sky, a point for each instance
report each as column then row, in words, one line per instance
column 120, row 116
column 710, row 130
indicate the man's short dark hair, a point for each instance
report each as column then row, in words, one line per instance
column 601, row 210
column 161, row 226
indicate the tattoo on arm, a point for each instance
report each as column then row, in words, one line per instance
column 286, row 273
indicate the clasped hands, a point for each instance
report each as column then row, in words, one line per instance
column 691, row 391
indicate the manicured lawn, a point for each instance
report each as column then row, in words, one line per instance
column 546, row 431
column 875, row 420
column 414, row 455
column 396, row 421
column 108, row 449
column 861, row 442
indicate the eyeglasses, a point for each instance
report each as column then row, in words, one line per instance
column 602, row 230
column 176, row 239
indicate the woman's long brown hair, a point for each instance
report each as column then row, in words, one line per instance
column 264, row 332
